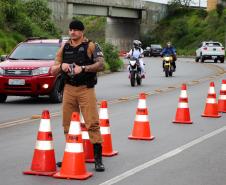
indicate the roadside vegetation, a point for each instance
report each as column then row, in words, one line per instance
column 186, row 28
column 21, row 19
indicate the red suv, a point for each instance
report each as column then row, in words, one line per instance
column 26, row 71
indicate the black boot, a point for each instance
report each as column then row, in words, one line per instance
column 98, row 157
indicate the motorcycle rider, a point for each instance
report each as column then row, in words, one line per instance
column 171, row 51
column 137, row 52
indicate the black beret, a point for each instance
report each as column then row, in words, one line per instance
column 76, row 25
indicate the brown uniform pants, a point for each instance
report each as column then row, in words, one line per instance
column 81, row 97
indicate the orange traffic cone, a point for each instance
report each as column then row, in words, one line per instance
column 43, row 162
column 222, row 98
column 73, row 164
column 87, row 145
column 183, row 113
column 141, row 129
column 211, row 108
column 107, row 149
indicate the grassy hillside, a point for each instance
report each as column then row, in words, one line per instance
column 187, row 28
column 20, row 19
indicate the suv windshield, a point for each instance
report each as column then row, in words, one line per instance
column 35, row 51
column 156, row 46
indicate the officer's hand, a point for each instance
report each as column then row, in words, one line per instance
column 66, row 67
column 77, row 69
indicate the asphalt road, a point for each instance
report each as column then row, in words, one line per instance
column 179, row 155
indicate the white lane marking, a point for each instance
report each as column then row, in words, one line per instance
column 162, row 157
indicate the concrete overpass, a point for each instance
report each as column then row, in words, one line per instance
column 126, row 19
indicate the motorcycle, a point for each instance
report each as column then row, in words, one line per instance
column 135, row 72
column 168, row 67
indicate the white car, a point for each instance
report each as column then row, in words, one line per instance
column 210, row 50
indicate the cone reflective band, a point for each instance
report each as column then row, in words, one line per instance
column 87, row 145
column 222, row 97
column 141, row 128
column 43, row 162
column 107, row 149
column 211, row 107
column 183, row 112
column 73, row 164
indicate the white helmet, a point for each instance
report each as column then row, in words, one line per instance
column 136, row 43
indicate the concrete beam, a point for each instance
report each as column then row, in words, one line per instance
column 122, row 12
column 81, row 9
column 133, row 4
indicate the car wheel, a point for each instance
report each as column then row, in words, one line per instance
column 3, row 98
column 222, row 60
column 196, row 59
column 56, row 96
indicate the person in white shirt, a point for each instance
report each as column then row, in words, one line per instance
column 137, row 52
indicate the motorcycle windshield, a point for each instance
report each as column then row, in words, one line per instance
column 132, row 62
column 167, row 58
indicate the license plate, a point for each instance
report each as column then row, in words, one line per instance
column 214, row 57
column 16, row 82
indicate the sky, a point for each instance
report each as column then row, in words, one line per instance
column 196, row 2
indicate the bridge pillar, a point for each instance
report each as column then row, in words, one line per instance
column 122, row 31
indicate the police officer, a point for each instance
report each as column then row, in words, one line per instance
column 79, row 60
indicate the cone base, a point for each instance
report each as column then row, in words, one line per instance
column 182, row 122
column 109, row 154
column 211, row 116
column 141, row 138
column 80, row 177
column 90, row 160
column 39, row 173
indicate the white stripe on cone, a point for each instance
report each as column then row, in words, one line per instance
column 211, row 100
column 142, row 104
column 103, row 113
column 74, row 147
column 142, row 118
column 183, row 94
column 44, row 145
column 85, row 135
column 222, row 97
column 75, row 128
column 182, row 105
column 211, row 90
column 223, row 87
column 105, row 130
column 45, row 125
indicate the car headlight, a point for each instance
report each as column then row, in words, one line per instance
column 1, row 71
column 40, row 71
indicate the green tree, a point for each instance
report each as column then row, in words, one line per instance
column 111, row 57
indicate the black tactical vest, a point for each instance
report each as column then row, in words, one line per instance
column 78, row 55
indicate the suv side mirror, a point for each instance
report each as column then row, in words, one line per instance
column 3, row 58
